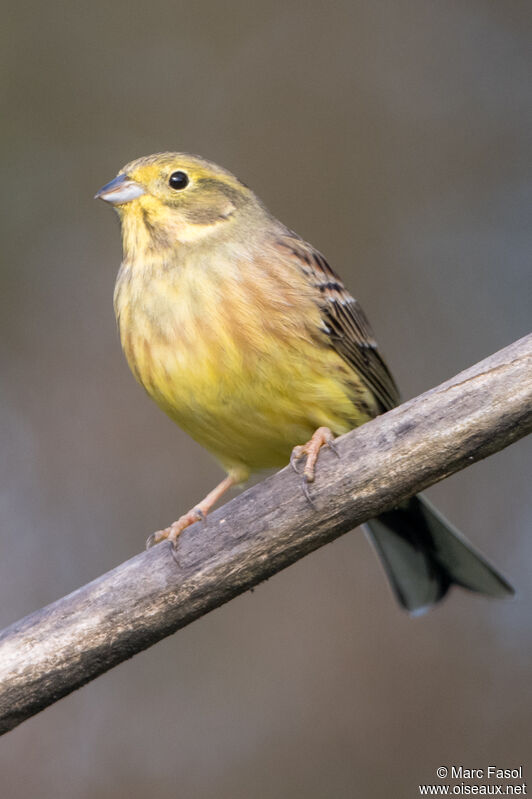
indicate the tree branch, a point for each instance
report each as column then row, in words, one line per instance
column 59, row 648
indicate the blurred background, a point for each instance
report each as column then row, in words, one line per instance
column 396, row 137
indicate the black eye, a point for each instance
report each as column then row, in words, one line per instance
column 178, row 180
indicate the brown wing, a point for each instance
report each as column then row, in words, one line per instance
column 346, row 323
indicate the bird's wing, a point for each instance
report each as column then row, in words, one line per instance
column 347, row 326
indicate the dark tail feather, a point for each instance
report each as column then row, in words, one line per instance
column 424, row 555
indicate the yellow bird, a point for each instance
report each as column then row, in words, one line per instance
column 244, row 335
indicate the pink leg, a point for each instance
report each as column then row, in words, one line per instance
column 194, row 515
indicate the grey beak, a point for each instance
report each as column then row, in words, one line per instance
column 120, row 190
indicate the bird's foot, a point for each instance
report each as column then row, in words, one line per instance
column 197, row 514
column 323, row 437
column 171, row 533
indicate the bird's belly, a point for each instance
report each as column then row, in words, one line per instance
column 250, row 416
column 246, row 394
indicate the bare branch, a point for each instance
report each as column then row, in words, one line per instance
column 59, row 648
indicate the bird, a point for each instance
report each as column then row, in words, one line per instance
column 245, row 336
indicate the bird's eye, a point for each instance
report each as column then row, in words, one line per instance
column 178, row 180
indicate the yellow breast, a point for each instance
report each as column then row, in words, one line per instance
column 234, row 353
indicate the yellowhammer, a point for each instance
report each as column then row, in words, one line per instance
column 246, row 337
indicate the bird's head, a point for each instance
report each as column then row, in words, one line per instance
column 174, row 197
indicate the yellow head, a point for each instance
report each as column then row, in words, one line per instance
column 175, row 197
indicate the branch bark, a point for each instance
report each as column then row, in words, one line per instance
column 55, row 650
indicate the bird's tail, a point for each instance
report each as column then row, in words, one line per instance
column 423, row 555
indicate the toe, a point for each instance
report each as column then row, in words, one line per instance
column 156, row 538
column 309, row 472
column 175, row 529
column 295, row 456
column 171, row 533
column 334, row 447
column 321, row 438
column 306, row 492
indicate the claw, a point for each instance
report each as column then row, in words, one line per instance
column 306, row 492
column 150, row 541
column 321, row 438
column 173, row 551
column 333, row 446
column 155, row 538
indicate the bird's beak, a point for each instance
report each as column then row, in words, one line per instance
column 120, row 190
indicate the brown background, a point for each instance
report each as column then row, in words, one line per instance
column 395, row 136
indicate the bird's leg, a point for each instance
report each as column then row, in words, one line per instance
column 321, row 438
column 194, row 515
